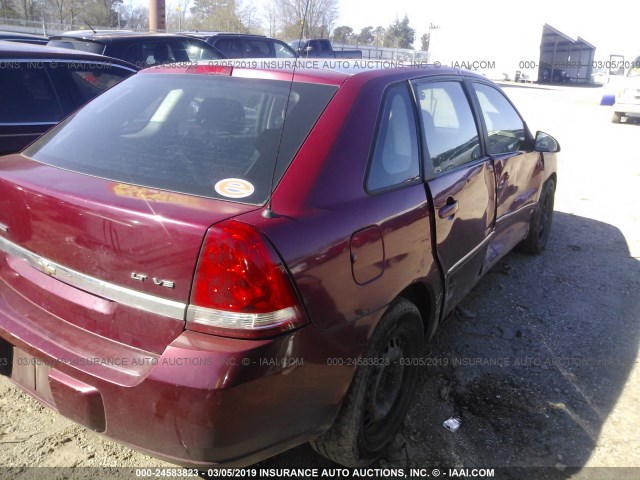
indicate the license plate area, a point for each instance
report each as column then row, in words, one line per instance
column 29, row 372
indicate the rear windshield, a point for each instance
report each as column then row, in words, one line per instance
column 82, row 45
column 212, row 136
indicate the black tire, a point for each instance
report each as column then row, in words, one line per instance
column 379, row 396
column 540, row 223
column 616, row 117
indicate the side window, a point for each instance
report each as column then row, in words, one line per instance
column 157, row 53
column 258, row 49
column 283, row 50
column 133, row 55
column 145, row 55
column 504, row 126
column 27, row 96
column 231, row 47
column 189, row 51
column 448, row 124
column 395, row 154
column 83, row 82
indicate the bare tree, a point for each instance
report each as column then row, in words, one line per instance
column 72, row 10
column 321, row 15
column 218, row 15
column 271, row 16
column 176, row 15
column 378, row 35
column 250, row 19
column 59, row 4
column 29, row 9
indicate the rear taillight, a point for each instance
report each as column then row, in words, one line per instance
column 241, row 288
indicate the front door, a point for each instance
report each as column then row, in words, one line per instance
column 518, row 169
column 461, row 182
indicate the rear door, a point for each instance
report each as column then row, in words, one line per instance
column 461, row 181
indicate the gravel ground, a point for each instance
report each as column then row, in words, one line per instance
column 540, row 362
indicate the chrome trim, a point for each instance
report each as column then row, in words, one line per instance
column 95, row 286
column 240, row 321
column 4, row 228
column 475, row 250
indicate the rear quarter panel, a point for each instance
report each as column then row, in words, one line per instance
column 321, row 202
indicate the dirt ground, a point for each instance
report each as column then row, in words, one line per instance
column 540, row 362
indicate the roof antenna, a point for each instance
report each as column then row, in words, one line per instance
column 89, row 25
column 268, row 212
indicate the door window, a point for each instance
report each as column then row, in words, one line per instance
column 283, row 50
column 27, row 96
column 258, row 49
column 157, row 53
column 449, row 128
column 395, row 155
column 85, row 81
column 231, row 47
column 505, row 128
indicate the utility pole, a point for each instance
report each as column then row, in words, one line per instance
column 157, row 16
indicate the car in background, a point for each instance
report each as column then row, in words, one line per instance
column 627, row 99
column 42, row 85
column 242, row 45
column 214, row 264
column 141, row 49
column 322, row 48
column 24, row 38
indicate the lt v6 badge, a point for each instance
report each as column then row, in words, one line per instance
column 141, row 277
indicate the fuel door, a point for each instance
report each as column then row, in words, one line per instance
column 367, row 254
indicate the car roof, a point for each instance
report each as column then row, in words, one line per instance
column 19, row 51
column 4, row 35
column 219, row 34
column 113, row 36
column 324, row 71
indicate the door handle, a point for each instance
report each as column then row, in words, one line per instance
column 449, row 209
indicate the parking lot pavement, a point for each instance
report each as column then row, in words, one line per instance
column 541, row 361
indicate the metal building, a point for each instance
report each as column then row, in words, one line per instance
column 563, row 59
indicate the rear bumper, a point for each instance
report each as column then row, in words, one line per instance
column 628, row 109
column 205, row 401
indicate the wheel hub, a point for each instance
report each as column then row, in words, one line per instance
column 384, row 386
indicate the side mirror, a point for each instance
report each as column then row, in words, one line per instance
column 546, row 143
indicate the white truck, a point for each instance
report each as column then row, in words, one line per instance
column 627, row 99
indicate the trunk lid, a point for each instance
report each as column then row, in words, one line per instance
column 66, row 239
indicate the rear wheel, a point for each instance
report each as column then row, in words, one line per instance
column 380, row 393
column 540, row 223
column 616, row 117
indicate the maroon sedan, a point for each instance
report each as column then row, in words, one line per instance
column 214, row 264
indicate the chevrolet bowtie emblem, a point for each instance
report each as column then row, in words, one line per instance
column 46, row 267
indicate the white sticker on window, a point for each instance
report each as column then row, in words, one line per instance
column 234, row 188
